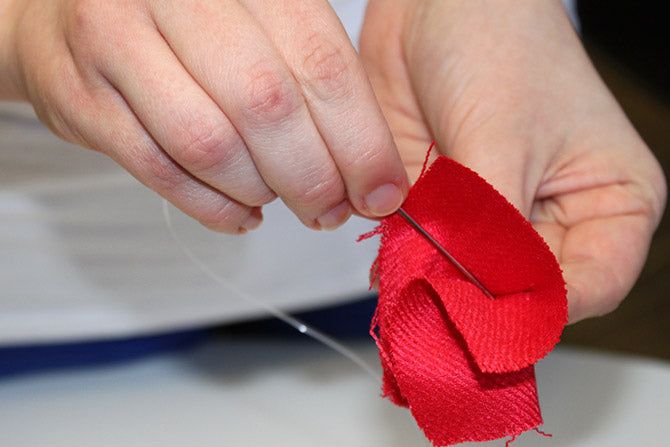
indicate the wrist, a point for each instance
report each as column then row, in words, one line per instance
column 9, row 72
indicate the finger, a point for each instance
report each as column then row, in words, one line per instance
column 102, row 120
column 601, row 235
column 598, row 269
column 232, row 59
column 181, row 118
column 317, row 50
column 385, row 65
column 420, row 108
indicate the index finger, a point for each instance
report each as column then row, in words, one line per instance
column 315, row 46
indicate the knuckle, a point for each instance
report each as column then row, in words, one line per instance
column 327, row 191
column 97, row 31
column 327, row 69
column 85, row 14
column 91, row 36
column 162, row 175
column 371, row 152
column 207, row 146
column 270, row 95
column 215, row 152
column 85, row 20
column 167, row 179
column 225, row 218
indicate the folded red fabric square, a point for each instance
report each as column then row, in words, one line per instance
column 461, row 361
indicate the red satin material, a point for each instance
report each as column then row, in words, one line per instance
column 459, row 360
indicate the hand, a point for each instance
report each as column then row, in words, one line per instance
column 507, row 90
column 218, row 105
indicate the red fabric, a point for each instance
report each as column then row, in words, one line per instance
column 461, row 361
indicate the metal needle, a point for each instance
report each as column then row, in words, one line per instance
column 442, row 250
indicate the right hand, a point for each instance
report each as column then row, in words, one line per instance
column 218, row 105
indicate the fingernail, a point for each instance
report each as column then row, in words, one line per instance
column 335, row 217
column 253, row 221
column 384, row 200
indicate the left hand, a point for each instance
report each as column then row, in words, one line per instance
column 507, row 90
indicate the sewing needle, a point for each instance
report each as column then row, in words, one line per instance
column 442, row 250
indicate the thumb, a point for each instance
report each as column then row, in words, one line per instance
column 499, row 156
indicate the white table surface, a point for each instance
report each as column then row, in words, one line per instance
column 263, row 392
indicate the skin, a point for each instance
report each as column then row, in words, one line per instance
column 506, row 89
column 220, row 106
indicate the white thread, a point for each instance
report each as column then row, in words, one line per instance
column 281, row 315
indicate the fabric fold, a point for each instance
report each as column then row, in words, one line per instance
column 461, row 361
